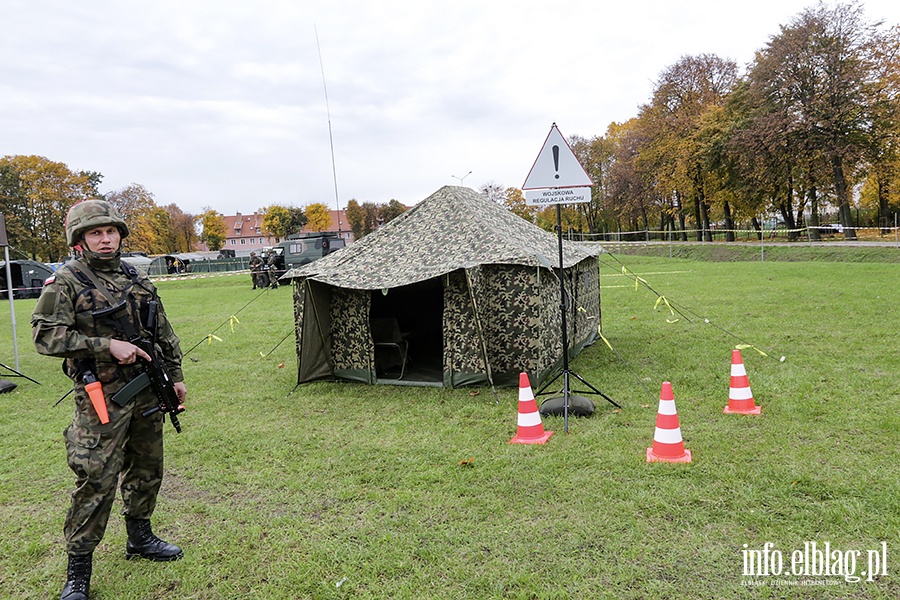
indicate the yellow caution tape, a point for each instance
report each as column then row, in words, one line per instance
column 233, row 320
column 663, row 300
column 637, row 280
column 745, row 346
column 212, row 337
column 605, row 341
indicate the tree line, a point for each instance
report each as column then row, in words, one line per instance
column 36, row 194
column 811, row 128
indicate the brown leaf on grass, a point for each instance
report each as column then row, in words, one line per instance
column 467, row 462
column 474, row 393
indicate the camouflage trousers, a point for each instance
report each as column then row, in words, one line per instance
column 127, row 451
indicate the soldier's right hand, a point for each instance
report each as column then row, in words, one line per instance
column 126, row 353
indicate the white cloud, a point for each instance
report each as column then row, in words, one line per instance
column 222, row 104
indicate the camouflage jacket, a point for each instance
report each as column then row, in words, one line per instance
column 63, row 323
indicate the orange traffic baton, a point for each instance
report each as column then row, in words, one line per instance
column 95, row 393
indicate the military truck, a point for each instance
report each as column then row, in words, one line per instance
column 300, row 249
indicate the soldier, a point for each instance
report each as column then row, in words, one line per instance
column 129, row 446
column 272, row 263
column 255, row 266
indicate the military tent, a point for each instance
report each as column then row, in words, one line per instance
column 455, row 291
column 172, row 264
column 27, row 278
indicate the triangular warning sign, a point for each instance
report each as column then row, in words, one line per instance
column 556, row 165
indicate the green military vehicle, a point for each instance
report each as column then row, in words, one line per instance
column 303, row 248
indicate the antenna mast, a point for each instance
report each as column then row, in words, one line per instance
column 330, row 136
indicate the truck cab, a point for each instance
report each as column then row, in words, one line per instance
column 304, row 248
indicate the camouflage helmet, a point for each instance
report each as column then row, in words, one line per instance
column 89, row 214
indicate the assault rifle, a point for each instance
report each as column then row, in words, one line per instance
column 155, row 374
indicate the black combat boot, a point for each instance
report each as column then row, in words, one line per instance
column 143, row 544
column 78, row 578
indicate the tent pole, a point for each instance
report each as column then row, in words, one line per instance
column 487, row 366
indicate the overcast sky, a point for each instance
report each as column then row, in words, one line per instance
column 221, row 103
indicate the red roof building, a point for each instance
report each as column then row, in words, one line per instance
column 244, row 233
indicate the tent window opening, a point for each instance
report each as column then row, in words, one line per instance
column 417, row 310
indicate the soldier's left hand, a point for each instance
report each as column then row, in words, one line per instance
column 180, row 391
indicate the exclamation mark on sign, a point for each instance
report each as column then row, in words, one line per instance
column 556, row 160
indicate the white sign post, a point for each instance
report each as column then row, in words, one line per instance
column 558, row 178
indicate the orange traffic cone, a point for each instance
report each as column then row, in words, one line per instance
column 530, row 430
column 667, row 443
column 740, row 398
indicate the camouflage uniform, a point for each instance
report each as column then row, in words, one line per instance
column 255, row 266
column 272, row 263
column 130, row 445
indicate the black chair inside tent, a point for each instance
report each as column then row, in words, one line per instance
column 391, row 347
column 406, row 328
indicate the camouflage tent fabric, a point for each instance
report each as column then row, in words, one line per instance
column 473, row 290
column 454, row 228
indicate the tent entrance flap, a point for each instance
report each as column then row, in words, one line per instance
column 406, row 325
column 312, row 300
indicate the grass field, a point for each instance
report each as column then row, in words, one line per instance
column 349, row 491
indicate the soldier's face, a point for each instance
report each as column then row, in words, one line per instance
column 103, row 240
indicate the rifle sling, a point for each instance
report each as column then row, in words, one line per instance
column 98, row 285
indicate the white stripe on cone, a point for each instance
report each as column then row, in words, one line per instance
column 743, row 393
column 529, row 419
column 667, row 436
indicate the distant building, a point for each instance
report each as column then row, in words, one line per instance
column 245, row 234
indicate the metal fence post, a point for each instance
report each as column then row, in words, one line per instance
column 762, row 241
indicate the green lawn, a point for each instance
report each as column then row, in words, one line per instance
column 350, row 491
